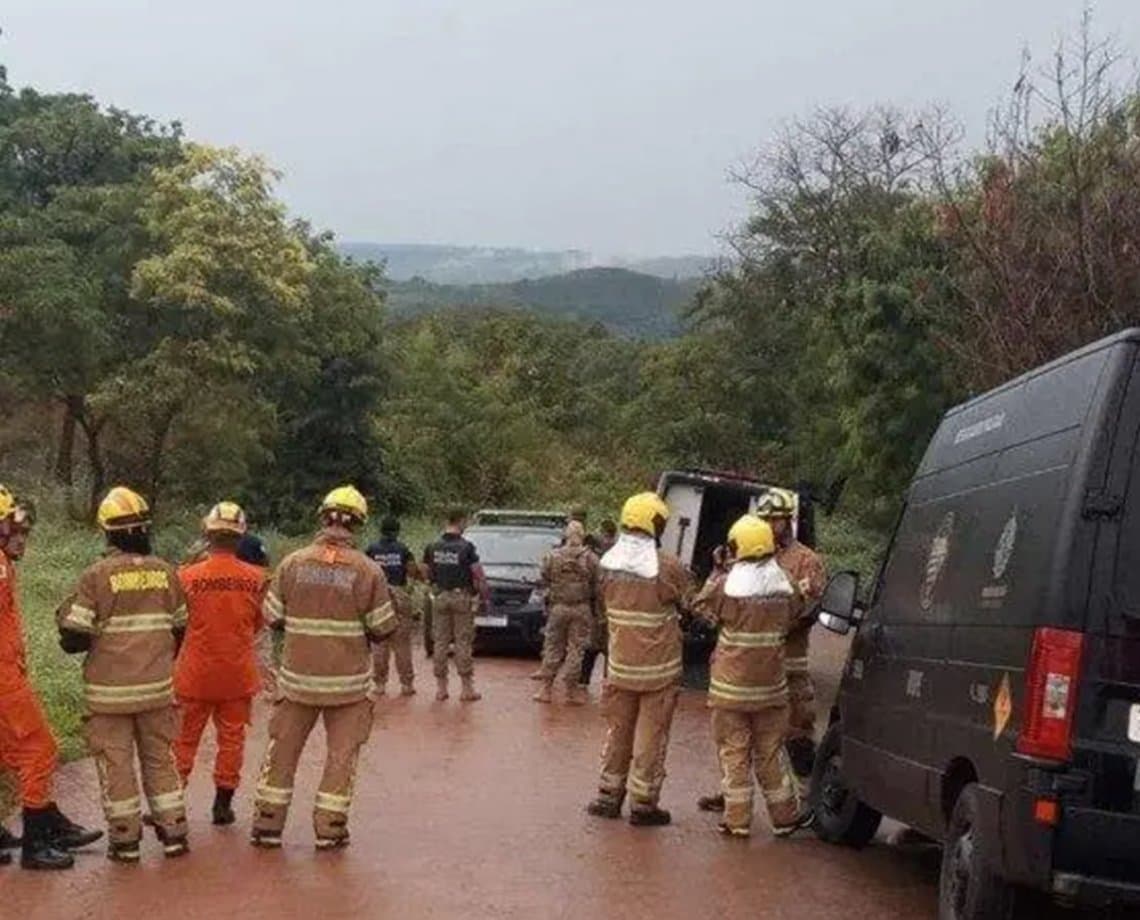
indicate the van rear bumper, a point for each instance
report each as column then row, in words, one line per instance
column 1094, row 892
column 1095, row 857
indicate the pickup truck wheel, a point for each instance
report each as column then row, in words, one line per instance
column 839, row 815
column 969, row 888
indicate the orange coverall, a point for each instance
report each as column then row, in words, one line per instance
column 216, row 675
column 27, row 745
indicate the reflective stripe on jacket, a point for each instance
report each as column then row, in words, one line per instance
column 330, row 599
column 130, row 606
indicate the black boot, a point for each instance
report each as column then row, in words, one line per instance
column 40, row 851
column 650, row 817
column 711, row 802
column 8, row 840
column 801, row 752
column 604, row 808
column 223, row 807
column 67, row 834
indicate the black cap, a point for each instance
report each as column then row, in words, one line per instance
column 390, row 526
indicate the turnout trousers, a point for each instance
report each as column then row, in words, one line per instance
column 749, row 743
column 637, row 738
column 230, row 718
column 801, row 690
column 453, row 620
column 398, row 645
column 27, row 746
column 114, row 741
column 346, row 730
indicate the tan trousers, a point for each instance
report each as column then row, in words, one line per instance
column 753, row 742
column 453, row 620
column 346, row 730
column 637, row 739
column 568, row 631
column 801, row 691
column 399, row 645
column 113, row 741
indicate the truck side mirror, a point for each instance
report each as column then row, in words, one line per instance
column 837, row 606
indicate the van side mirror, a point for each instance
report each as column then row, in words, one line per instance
column 837, row 606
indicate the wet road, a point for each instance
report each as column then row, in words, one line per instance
column 476, row 810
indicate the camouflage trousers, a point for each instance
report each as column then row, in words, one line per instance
column 346, row 730
column 568, row 629
column 750, row 743
column 453, row 620
column 114, row 741
column 637, row 739
column 398, row 645
column 801, row 690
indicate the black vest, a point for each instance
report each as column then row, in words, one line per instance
column 392, row 556
column 451, row 559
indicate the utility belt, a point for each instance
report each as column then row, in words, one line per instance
column 439, row 592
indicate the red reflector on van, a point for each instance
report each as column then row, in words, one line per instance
column 1046, row 811
column 1051, row 694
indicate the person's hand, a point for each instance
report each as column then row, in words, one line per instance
column 719, row 557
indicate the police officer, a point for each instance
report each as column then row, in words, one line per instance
column 399, row 565
column 596, row 647
column 457, row 582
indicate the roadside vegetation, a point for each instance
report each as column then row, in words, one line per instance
column 165, row 323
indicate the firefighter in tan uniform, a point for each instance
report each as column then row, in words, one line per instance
column 808, row 575
column 128, row 614
column 748, row 686
column 330, row 601
column 569, row 574
column 642, row 592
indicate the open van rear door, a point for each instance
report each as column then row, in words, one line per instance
column 684, row 500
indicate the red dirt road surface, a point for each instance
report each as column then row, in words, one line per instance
column 477, row 810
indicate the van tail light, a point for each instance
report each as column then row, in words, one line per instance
column 1051, row 694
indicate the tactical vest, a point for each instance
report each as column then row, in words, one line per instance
column 571, row 573
column 392, row 557
column 450, row 559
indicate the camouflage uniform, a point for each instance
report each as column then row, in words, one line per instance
column 130, row 608
column 569, row 574
column 748, row 691
column 331, row 601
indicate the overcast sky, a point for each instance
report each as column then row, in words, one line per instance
column 605, row 125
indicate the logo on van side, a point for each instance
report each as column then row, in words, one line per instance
column 936, row 561
column 985, row 426
column 1004, row 550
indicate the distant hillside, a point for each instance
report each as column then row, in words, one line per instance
column 627, row 303
column 485, row 265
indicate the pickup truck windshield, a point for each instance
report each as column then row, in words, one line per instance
column 513, row 547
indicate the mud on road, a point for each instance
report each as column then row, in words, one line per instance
column 476, row 810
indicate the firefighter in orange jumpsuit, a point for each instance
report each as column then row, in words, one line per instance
column 216, row 676
column 27, row 746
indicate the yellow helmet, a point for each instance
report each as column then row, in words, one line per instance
column 751, row 538
column 7, row 502
column 123, row 509
column 225, row 517
column 777, row 503
column 346, row 500
column 641, row 511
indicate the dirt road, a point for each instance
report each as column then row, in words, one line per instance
column 477, row 811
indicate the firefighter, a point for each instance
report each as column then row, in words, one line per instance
column 569, row 574
column 216, row 676
column 457, row 584
column 805, row 569
column 128, row 614
column 806, row 572
column 330, row 601
column 27, row 746
column 399, row 566
column 748, row 687
column 642, row 593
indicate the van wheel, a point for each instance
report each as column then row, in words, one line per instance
column 968, row 888
column 839, row 815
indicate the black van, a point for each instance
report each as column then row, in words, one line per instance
column 991, row 697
